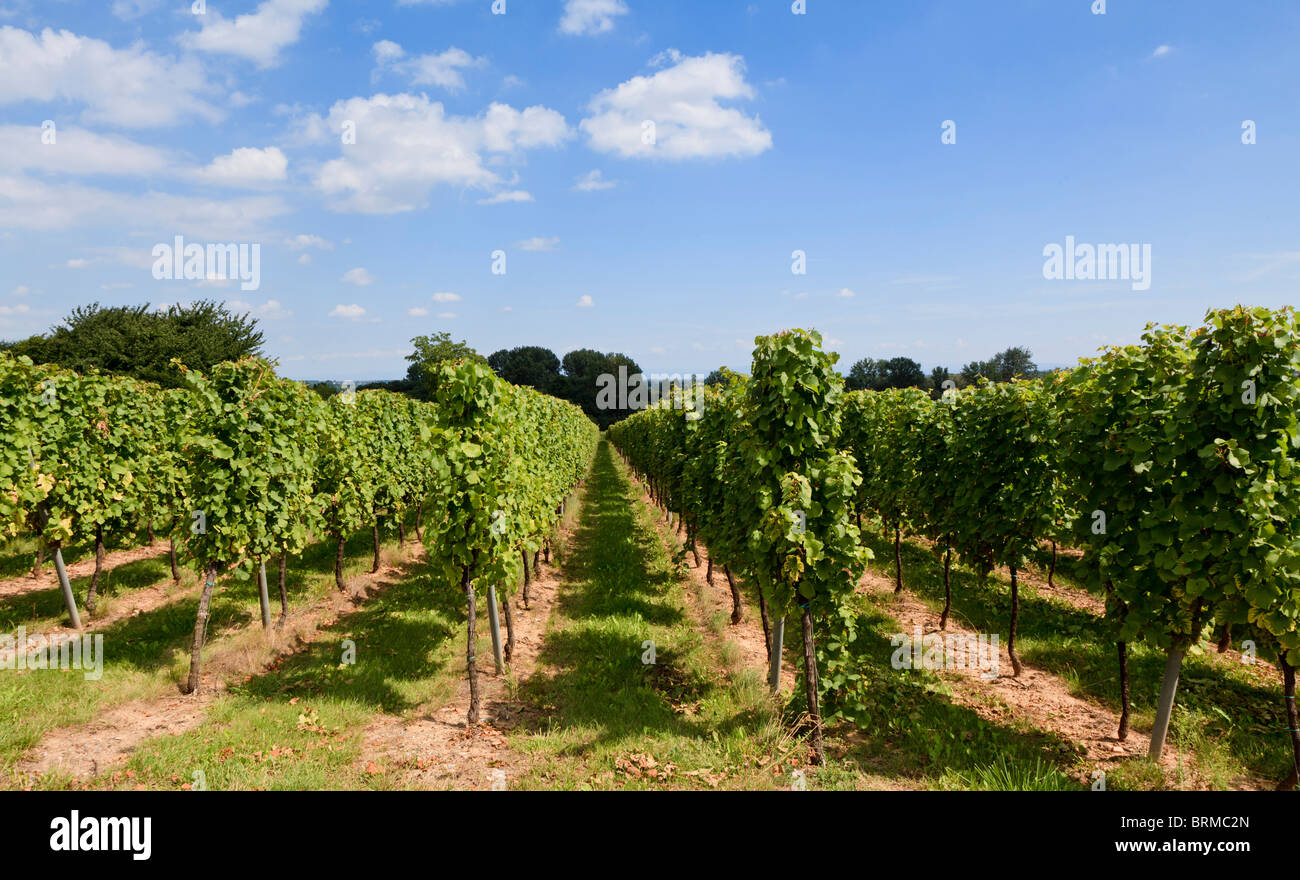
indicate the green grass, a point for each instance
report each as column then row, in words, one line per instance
column 298, row 725
column 1004, row 775
column 603, row 709
column 147, row 655
column 44, row 609
column 18, row 555
column 1234, row 725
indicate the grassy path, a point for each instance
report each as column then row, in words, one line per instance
column 608, row 719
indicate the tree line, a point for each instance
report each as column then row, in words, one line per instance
column 142, row 342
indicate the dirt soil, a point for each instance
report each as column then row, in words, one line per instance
column 81, row 568
column 1036, row 697
column 435, row 747
column 232, row 656
column 117, row 608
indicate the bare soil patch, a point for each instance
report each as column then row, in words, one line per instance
column 233, row 656
column 1036, row 697
column 81, row 568
column 436, row 747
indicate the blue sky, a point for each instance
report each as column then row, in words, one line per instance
column 775, row 132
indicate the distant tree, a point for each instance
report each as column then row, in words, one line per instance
column 903, row 372
column 717, row 377
column 141, row 341
column 324, row 390
column 1002, row 367
column 429, row 353
column 938, row 376
column 864, row 374
column 582, row 371
column 529, row 365
column 396, row 386
column 899, row 372
column 1015, row 362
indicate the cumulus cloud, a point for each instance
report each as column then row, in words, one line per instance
column 407, row 144
column 77, row 151
column 846, row 293
column 417, row 312
column 246, row 166
column 36, row 204
column 509, row 195
column 132, row 88
column 358, row 276
column 441, row 69
column 271, row 310
column 446, row 297
column 259, row 35
column 351, row 312
column 538, row 243
column 587, row 17
column 303, row 241
column 682, row 103
column 592, row 181
column 585, row 302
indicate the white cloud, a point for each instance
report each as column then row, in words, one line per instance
column 77, row 263
column 77, row 151
column 538, row 243
column 20, row 309
column 351, row 312
column 302, row 241
column 258, row 35
column 441, row 69
column 407, row 144
column 246, row 166
column 304, row 259
column 117, row 285
column 586, row 17
column 585, row 301
column 417, row 311
column 682, row 102
column 445, row 297
column 509, row 195
column 593, row 181
column 34, row 204
column 133, row 87
column 446, row 316
column 20, row 290
column 846, row 293
column 358, row 276
column 270, row 311
column 1162, row 51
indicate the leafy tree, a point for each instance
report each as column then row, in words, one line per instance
column 430, row 353
column 938, row 376
column 141, row 342
column 866, row 373
column 529, row 365
column 1015, row 362
column 899, row 372
column 582, row 371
